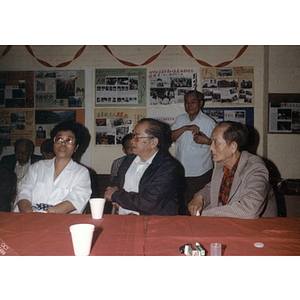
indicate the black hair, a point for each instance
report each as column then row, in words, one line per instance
column 125, row 139
column 235, row 132
column 29, row 143
column 81, row 133
column 47, row 146
column 159, row 130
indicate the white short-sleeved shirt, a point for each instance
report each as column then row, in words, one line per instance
column 72, row 184
column 195, row 158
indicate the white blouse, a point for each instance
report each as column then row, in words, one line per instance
column 38, row 185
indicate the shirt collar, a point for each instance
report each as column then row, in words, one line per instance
column 231, row 171
column 28, row 163
column 137, row 160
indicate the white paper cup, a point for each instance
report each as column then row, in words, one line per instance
column 97, row 207
column 82, row 235
column 215, row 249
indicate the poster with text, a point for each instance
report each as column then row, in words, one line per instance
column 228, row 85
column 60, row 89
column 112, row 124
column 167, row 87
column 120, row 87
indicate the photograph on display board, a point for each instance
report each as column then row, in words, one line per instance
column 168, row 86
column 60, row 89
column 228, row 85
column 284, row 117
column 16, row 124
column 244, row 115
column 284, row 113
column 16, row 89
column 111, row 125
column 120, row 87
column 45, row 120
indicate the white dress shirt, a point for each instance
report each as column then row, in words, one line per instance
column 132, row 179
column 21, row 171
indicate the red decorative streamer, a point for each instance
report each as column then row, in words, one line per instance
column 61, row 65
column 223, row 64
column 6, row 50
column 130, row 64
column 126, row 63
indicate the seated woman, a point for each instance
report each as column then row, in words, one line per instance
column 58, row 185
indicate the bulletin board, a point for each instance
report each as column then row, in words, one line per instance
column 16, row 89
column 60, row 89
column 167, row 87
column 228, row 85
column 33, row 102
column 120, row 87
column 244, row 115
column 284, row 113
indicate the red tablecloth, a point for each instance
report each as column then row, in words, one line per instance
column 48, row 234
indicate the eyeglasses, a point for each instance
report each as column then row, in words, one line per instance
column 68, row 141
column 136, row 137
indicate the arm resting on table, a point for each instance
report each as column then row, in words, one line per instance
column 24, row 206
column 64, row 207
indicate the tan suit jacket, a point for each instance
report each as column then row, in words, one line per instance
column 251, row 195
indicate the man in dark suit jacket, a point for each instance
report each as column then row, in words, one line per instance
column 24, row 149
column 148, row 180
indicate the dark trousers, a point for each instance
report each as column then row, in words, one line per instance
column 194, row 185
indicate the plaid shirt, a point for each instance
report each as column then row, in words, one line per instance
column 227, row 182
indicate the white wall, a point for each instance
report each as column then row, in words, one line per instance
column 270, row 65
column 284, row 77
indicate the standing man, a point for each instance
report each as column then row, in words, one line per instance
column 240, row 186
column 22, row 159
column 191, row 132
column 148, row 180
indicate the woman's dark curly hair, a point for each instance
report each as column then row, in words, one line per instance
column 81, row 133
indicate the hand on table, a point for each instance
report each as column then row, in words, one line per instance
column 196, row 205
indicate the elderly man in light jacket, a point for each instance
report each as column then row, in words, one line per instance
column 240, row 185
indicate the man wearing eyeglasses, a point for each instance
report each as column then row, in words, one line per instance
column 22, row 159
column 148, row 179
